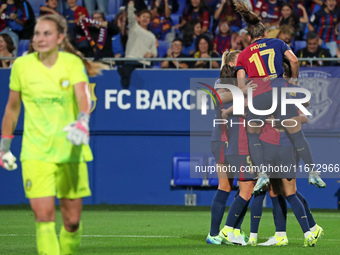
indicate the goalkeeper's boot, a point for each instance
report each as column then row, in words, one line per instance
column 318, row 233
column 275, row 241
column 261, row 182
column 316, row 180
column 239, row 239
column 214, row 239
column 309, row 241
column 227, row 236
column 252, row 242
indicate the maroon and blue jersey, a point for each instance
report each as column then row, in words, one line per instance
column 222, row 43
column 72, row 18
column 5, row 21
column 263, row 59
column 161, row 8
column 276, row 136
column 269, row 12
column 325, row 24
column 202, row 16
column 238, row 140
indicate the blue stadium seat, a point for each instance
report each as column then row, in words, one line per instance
column 162, row 48
column 114, row 6
column 181, row 6
column 36, row 5
column 183, row 165
column 22, row 47
column 299, row 45
column 110, row 17
column 175, row 18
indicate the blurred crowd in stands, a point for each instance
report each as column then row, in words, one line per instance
column 173, row 29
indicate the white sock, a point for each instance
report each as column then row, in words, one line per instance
column 314, row 228
column 307, row 234
column 281, row 233
column 253, row 235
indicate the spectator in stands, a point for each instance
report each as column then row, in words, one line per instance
column 12, row 19
column 196, row 9
column 326, row 22
column 62, row 6
column 211, row 6
column 285, row 33
column 98, row 33
column 28, row 29
column 141, row 43
column 72, row 16
column 288, row 17
column 191, row 32
column 338, row 55
column 161, row 22
column 6, row 50
column 222, row 41
column 269, row 11
column 225, row 10
column 297, row 8
column 30, row 48
column 175, row 51
column 50, row 8
column 312, row 4
column 119, row 40
column 102, row 6
column 204, row 49
column 139, row 4
column 313, row 50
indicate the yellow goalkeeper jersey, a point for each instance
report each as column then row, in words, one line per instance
column 50, row 104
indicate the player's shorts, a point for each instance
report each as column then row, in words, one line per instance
column 219, row 149
column 241, row 166
column 279, row 160
column 46, row 179
column 264, row 102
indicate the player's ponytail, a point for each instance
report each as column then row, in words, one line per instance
column 255, row 27
column 92, row 68
column 227, row 72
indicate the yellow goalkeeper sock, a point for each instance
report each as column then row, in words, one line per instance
column 70, row 241
column 47, row 240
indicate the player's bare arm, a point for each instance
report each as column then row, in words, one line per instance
column 12, row 112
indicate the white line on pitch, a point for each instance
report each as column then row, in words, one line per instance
column 131, row 236
column 128, row 236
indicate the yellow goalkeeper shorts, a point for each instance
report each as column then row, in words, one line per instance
column 45, row 179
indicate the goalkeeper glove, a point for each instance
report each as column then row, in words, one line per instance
column 78, row 131
column 7, row 160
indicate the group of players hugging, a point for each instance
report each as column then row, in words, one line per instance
column 262, row 66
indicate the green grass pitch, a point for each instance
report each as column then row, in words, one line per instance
column 161, row 230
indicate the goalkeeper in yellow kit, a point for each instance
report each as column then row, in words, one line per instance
column 53, row 86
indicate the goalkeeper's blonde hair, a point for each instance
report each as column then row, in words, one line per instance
column 229, row 56
column 92, row 68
